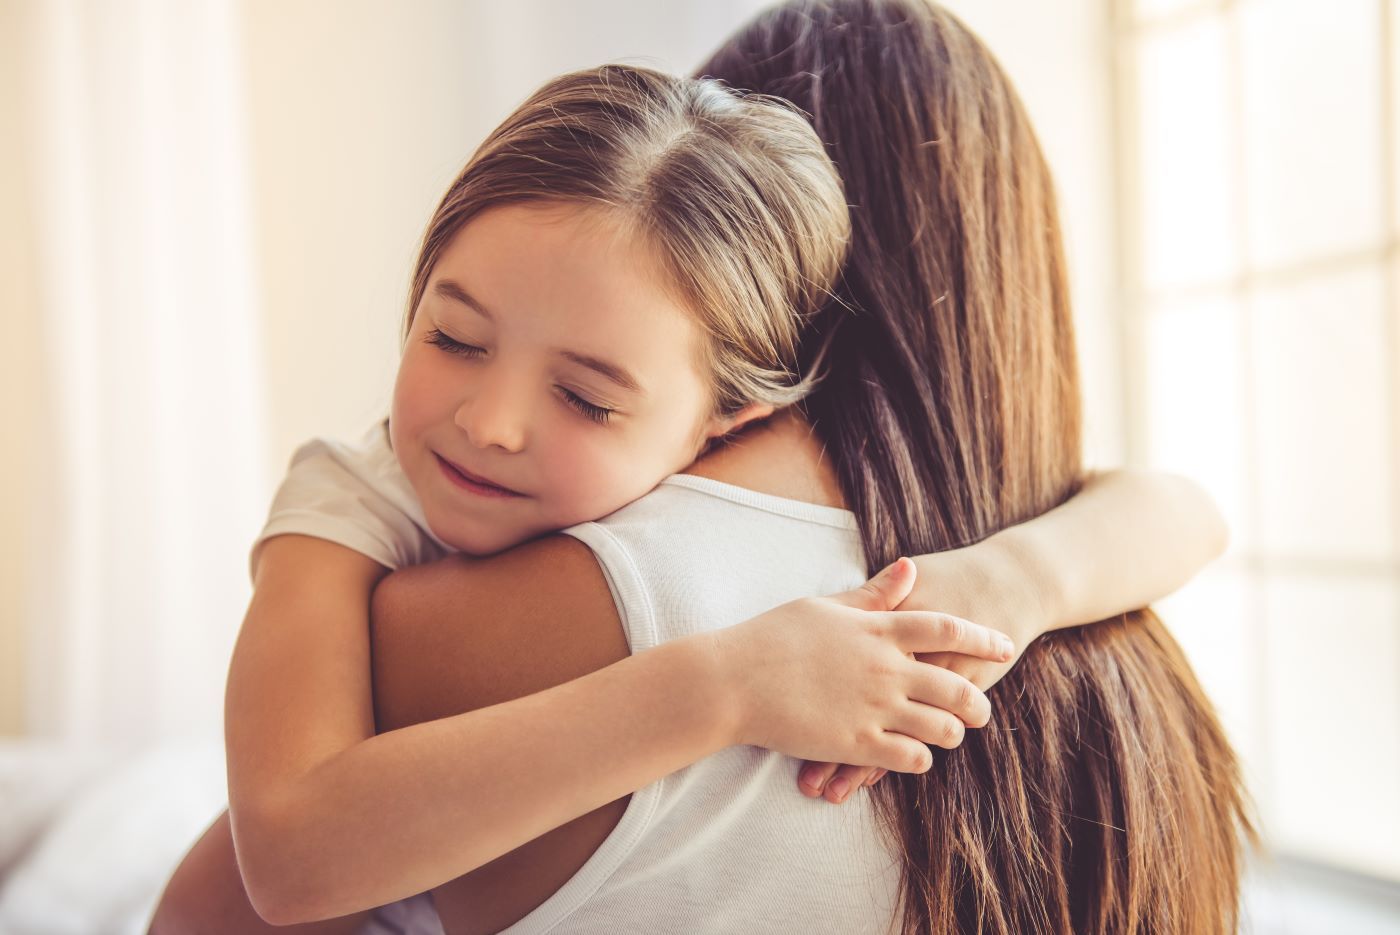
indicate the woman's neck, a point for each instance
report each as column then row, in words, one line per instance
column 780, row 455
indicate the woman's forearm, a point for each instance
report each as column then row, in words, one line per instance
column 1128, row 538
column 438, row 816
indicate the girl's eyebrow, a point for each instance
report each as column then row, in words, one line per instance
column 603, row 368
column 453, row 291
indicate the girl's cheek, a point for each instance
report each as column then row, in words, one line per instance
column 426, row 389
column 592, row 477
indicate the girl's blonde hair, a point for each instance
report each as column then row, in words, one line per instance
column 735, row 192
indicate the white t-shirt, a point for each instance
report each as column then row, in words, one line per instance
column 356, row 495
column 727, row 844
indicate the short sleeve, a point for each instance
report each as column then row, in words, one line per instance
column 339, row 493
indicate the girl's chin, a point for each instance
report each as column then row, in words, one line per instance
column 482, row 543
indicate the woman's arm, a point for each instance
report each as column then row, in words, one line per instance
column 330, row 819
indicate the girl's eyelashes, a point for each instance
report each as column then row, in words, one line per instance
column 441, row 340
column 599, row 414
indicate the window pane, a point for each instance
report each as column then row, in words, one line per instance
column 1322, row 398
column 1213, row 618
column 1188, row 223
column 1153, row 9
column 1312, row 127
column 1193, row 402
column 1332, row 647
column 1394, row 116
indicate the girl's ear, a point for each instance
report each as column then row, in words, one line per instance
column 723, row 425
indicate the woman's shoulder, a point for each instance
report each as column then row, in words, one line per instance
column 780, row 456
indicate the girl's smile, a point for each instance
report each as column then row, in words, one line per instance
column 471, row 482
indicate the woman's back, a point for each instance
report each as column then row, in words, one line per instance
column 727, row 844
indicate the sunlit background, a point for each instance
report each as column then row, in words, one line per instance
column 208, row 209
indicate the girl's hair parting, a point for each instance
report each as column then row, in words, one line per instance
column 1104, row 797
column 734, row 191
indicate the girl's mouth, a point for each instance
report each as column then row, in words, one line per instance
column 471, row 482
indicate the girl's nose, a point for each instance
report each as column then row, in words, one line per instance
column 493, row 417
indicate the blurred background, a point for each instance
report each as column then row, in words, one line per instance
column 208, row 212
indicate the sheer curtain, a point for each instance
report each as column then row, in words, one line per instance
column 149, row 364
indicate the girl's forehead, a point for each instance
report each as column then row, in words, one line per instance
column 575, row 252
column 572, row 278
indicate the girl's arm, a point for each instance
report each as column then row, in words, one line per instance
column 329, row 819
column 1128, row 538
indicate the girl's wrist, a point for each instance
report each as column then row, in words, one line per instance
column 716, row 670
column 1000, row 582
column 1018, row 571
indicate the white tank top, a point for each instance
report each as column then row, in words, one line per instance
column 728, row 844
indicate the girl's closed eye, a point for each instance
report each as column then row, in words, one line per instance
column 439, row 339
column 596, row 413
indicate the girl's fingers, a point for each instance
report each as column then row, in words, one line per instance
column 933, row 726
column 901, row 753
column 835, row 781
column 919, row 632
column 846, row 780
column 813, row 777
column 939, row 688
column 885, row 591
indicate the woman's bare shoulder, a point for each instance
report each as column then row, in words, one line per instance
column 541, row 613
column 781, row 456
column 462, row 634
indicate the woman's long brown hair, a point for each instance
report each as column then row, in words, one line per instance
column 1104, row 797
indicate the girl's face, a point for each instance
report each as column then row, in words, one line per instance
column 549, row 378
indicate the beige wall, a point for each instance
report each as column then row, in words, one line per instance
column 19, row 374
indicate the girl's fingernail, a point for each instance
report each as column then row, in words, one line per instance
column 1007, row 647
column 841, row 787
column 812, row 778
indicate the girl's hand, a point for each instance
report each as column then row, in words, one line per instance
column 979, row 583
column 836, row 781
column 834, row 678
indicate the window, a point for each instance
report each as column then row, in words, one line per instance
column 1260, row 214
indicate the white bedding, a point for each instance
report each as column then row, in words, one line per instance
column 89, row 837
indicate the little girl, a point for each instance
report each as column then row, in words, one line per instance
column 616, row 279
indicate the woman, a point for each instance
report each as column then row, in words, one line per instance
column 950, row 412
column 1106, row 797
